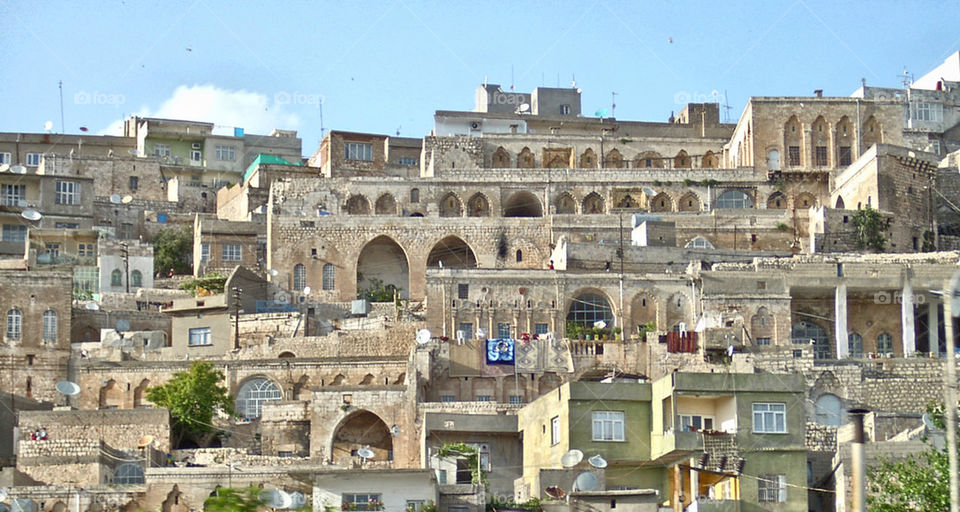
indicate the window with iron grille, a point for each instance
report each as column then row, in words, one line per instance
column 793, row 153
column 821, row 154
column 772, row 488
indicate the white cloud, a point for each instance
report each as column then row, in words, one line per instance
column 226, row 109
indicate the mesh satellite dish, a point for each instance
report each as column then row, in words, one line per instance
column 127, row 199
column 18, row 169
column 586, row 481
column 115, row 199
column 649, row 191
column 31, row 214
column 93, row 306
column 145, row 441
column 365, row 453
column 555, row 492
column 297, row 499
column 285, row 500
column 571, row 458
column 524, row 107
column 68, row 388
column 423, row 336
column 597, row 461
column 47, row 126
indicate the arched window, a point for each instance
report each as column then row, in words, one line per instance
column 50, row 325
column 588, row 308
column 299, row 277
column 735, row 199
column 773, row 160
column 519, row 255
column 329, row 276
column 804, row 332
column 699, row 243
column 128, row 473
column 855, row 344
column 116, row 278
column 414, row 195
column 829, row 410
column 253, row 394
column 136, row 278
column 885, row 344
column 14, row 324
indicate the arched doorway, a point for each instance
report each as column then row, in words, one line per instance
column 383, row 266
column 453, row 252
column 805, row 332
column 358, row 205
column 829, row 410
column 522, row 204
column 362, row 429
column 386, row 205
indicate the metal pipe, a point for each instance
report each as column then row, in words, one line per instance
column 950, row 388
column 857, row 458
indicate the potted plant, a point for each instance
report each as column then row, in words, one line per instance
column 617, row 333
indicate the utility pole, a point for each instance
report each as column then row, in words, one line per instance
column 951, row 306
column 237, row 293
column 126, row 264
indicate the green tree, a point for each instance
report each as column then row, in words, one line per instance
column 193, row 397
column 870, row 226
column 213, row 282
column 918, row 483
column 465, row 451
column 228, row 499
column 173, row 248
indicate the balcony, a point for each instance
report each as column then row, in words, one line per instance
column 673, row 446
column 65, row 259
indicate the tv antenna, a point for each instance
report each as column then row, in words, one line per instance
column 62, row 125
column 613, row 104
column 726, row 108
column 906, row 78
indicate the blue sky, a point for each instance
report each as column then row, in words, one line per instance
column 383, row 66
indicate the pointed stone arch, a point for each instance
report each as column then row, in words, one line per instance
column 361, row 429
column 709, row 160
column 565, row 204
column 338, row 380
column 593, row 204
column 111, row 395
column 302, row 388
column 840, row 205
column 689, row 202
column 872, row 133
column 386, row 205
column 661, row 203
column 140, row 394
column 383, row 259
column 793, row 141
column 613, row 160
column 820, row 142
column 682, row 160
column 643, row 309
column 357, row 204
column 804, row 201
column 777, row 201
column 678, row 311
column 451, row 206
column 522, row 204
column 588, row 159
column 478, row 206
column 367, row 380
column 649, row 159
column 557, row 162
column 453, row 252
column 501, row 158
column 526, row 159
column 844, row 141
column 762, row 325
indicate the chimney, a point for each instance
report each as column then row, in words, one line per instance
column 818, row 92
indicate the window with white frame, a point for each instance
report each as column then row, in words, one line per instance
column 228, row 153
column 359, row 151
column 230, row 252
column 253, row 394
column 14, row 233
column 85, row 249
column 329, row 276
column 554, row 430
column 86, row 279
column 161, row 150
column 299, row 277
column 608, row 426
column 699, row 243
column 770, row 418
column 128, row 473
column 68, row 192
column 692, row 422
column 52, row 249
column 734, row 199
column 922, row 111
column 205, row 251
column 503, row 330
column 33, row 159
column 365, row 501
column 5, row 158
column 406, row 160
column 13, row 195
column 200, row 336
column 50, row 325
column 14, row 324
column 772, row 488
column 414, row 505
column 195, row 157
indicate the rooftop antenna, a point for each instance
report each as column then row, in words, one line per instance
column 398, row 130
column 906, row 78
column 511, row 77
column 321, row 120
column 613, row 104
column 573, row 80
column 60, row 84
column 726, row 108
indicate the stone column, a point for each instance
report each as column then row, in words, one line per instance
column 907, row 329
column 840, row 324
column 933, row 322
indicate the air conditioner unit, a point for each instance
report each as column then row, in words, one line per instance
column 195, row 145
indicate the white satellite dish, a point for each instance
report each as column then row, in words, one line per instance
column 115, row 198
column 297, row 499
column 586, row 481
column 272, row 498
column 524, row 107
column 481, row 333
column 571, row 458
column 132, row 151
column 273, row 272
column 127, row 199
column 93, row 306
column 47, row 126
column 307, row 290
column 423, row 336
column 285, row 500
column 649, row 191
column 68, row 388
column 18, row 169
column 365, row 453
column 928, row 421
column 31, row 214
column 4, row 167
column 597, row 461
column 600, row 324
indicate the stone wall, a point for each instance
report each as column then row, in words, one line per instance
column 121, row 429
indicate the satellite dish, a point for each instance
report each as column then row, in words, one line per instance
column 600, row 324
column 127, row 199
column 68, row 388
column 597, row 461
column 571, row 458
column 18, row 169
column 524, row 107
column 649, row 191
column 272, row 498
column 3, row 495
column 297, row 499
column 555, row 492
column 48, row 126
column 481, row 333
column 423, row 336
column 586, row 481
column 145, row 441
column 307, row 290
column 928, row 421
column 115, row 199
column 93, row 306
column 31, row 214
column 273, row 272
column 285, row 499
column 365, row 453
column 123, row 325
column 4, row 167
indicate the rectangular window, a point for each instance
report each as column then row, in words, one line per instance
column 516, row 399
column 66, row 225
column 846, row 157
column 359, row 151
column 231, row 252
column 772, row 488
column 463, row 291
column 564, row 110
column 541, row 328
column 448, row 398
column 467, row 329
column 33, row 159
column 86, row 249
column 161, row 150
column 366, row 501
column 205, row 252
column 195, row 157
column 13, row 195
column 405, row 160
column 68, row 192
column 329, row 277
column 608, row 426
column 693, row 422
column 503, row 330
column 200, row 336
column 442, row 477
column 414, row 505
column 821, row 154
column 126, row 231
column 763, row 342
column 5, row 158
column 134, row 183
column 484, row 398
column 793, row 153
column 226, row 153
column 921, row 111
column 14, row 233
column 770, row 418
column 52, row 249
column 554, row 430
column 86, row 279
